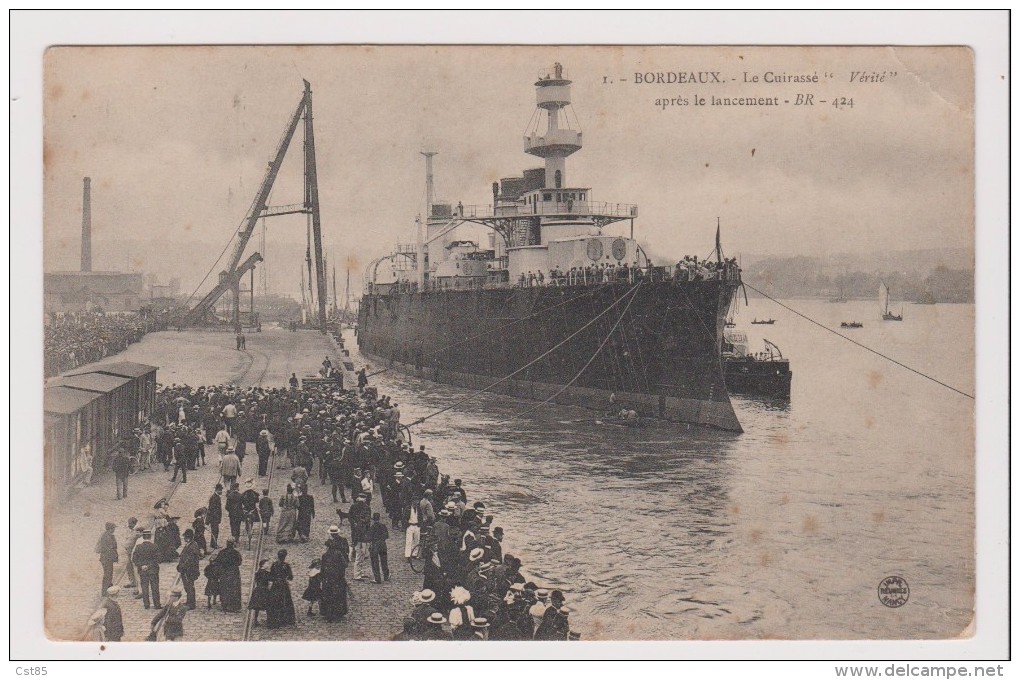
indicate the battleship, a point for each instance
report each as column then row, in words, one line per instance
column 554, row 307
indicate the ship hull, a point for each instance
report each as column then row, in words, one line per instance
column 661, row 360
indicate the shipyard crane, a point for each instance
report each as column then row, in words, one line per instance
column 230, row 277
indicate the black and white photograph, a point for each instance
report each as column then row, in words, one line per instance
column 529, row 343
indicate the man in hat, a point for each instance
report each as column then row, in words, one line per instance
column 144, row 449
column 434, row 628
column 377, row 537
column 426, row 511
column 554, row 624
column 235, row 510
column 263, row 449
column 146, row 559
column 360, row 516
column 121, row 466
column 215, row 514
column 431, row 477
column 335, row 468
column 114, row 621
column 230, row 468
column 302, row 454
column 424, row 607
column 476, row 574
column 229, row 414
column 180, row 456
column 480, row 629
column 188, row 565
column 265, row 510
column 493, row 544
column 537, row 610
column 458, row 489
column 106, row 547
column 249, row 505
column 222, row 441
column 172, row 616
column 131, row 537
column 366, row 485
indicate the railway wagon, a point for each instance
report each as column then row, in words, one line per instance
column 72, row 438
column 86, row 416
column 142, row 389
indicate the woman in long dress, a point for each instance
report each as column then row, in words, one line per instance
column 259, row 601
column 333, row 565
column 229, row 561
column 288, row 517
column 305, row 513
column 281, row 606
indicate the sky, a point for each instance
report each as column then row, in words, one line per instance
column 176, row 141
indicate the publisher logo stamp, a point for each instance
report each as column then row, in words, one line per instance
column 893, row 591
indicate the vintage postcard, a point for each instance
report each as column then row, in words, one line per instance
column 516, row 343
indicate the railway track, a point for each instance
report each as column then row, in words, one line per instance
column 259, row 363
column 249, row 616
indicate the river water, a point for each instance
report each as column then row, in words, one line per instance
column 782, row 532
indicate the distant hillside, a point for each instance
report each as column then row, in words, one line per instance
column 947, row 274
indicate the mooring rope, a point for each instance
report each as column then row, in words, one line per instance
column 583, row 368
column 859, row 344
column 530, row 363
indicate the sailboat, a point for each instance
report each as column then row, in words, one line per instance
column 883, row 302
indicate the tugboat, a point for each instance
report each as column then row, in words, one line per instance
column 554, row 307
column 883, row 302
column 765, row 374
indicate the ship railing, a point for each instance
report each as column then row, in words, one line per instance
column 548, row 209
column 679, row 273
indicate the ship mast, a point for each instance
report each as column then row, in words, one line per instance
column 552, row 94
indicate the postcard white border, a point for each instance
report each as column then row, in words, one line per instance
column 985, row 32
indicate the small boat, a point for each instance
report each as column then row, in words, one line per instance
column 883, row 302
column 851, row 324
column 621, row 418
column 619, row 422
column 764, row 374
column 767, row 322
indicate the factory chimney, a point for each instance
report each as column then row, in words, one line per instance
column 86, row 226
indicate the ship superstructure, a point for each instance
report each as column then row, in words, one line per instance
column 555, row 308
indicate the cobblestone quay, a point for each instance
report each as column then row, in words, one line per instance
column 73, row 574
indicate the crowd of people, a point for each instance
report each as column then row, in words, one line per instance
column 688, row 269
column 77, row 338
column 353, row 441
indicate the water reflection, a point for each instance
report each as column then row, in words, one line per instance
column 670, row 532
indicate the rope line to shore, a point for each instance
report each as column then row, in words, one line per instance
column 474, row 394
column 493, row 330
column 859, row 344
column 583, row 368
